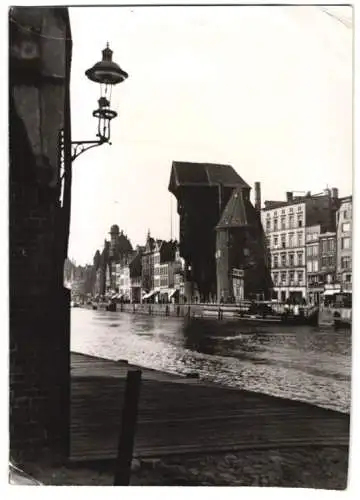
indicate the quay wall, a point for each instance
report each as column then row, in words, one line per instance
column 215, row 311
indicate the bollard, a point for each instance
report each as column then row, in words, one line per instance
column 128, row 428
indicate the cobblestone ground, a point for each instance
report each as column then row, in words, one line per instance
column 323, row 468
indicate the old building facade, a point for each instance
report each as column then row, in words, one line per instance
column 312, row 255
column 285, row 230
column 202, row 191
column 285, row 225
column 241, row 253
column 344, row 244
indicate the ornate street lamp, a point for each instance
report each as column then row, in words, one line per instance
column 106, row 73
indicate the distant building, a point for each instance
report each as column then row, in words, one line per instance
column 117, row 250
column 327, row 263
column 147, row 272
column 135, row 268
column 179, row 275
column 202, row 191
column 158, row 269
column 344, row 244
column 285, row 224
column 241, row 254
column 315, row 286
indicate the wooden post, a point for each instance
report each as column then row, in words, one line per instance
column 128, row 427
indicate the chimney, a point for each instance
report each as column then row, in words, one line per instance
column 289, row 196
column 335, row 193
column 257, row 197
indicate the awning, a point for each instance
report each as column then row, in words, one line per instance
column 150, row 294
column 331, row 292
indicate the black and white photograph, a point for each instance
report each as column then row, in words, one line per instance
column 180, row 264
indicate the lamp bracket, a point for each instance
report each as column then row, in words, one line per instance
column 79, row 147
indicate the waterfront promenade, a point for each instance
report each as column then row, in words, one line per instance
column 180, row 415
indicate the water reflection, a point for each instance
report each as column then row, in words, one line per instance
column 302, row 363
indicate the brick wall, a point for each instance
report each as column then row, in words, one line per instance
column 39, row 305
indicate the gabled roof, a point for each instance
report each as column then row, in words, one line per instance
column 238, row 212
column 203, row 174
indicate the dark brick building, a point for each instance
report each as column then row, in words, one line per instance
column 39, row 75
column 241, row 252
column 203, row 191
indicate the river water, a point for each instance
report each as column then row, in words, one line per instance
column 304, row 363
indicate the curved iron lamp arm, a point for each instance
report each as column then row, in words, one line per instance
column 79, row 147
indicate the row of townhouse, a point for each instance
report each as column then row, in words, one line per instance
column 152, row 273
column 309, row 242
column 162, row 271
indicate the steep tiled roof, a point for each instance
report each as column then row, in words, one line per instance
column 238, row 212
column 203, row 174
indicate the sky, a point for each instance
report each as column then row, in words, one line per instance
column 265, row 89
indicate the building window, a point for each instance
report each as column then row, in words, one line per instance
column 300, row 276
column 268, row 226
column 348, row 278
column 275, row 224
column 283, row 277
column 345, row 262
column 299, row 208
column 332, row 245
column 276, row 241
column 276, row 278
column 346, row 227
column 300, row 239
column 291, row 277
column 283, row 222
column 300, row 258
column 291, row 259
column 345, row 243
column 291, row 240
column 283, row 241
column 315, row 266
column 268, row 241
column 276, row 261
column 309, row 266
column 345, row 214
column 315, row 250
column 283, row 259
column 300, row 220
column 309, row 251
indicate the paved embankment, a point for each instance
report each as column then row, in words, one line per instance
column 178, row 415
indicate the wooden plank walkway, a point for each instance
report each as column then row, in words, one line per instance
column 179, row 415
